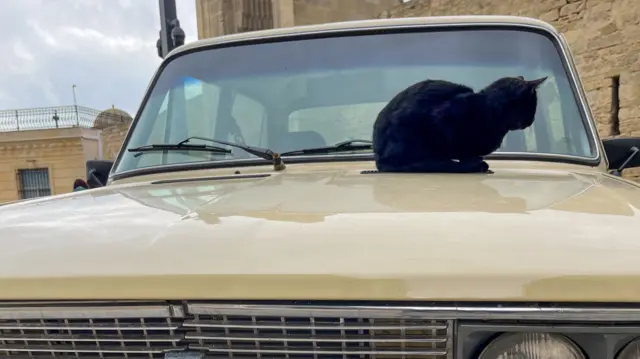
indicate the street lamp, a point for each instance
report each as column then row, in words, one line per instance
column 177, row 34
column 75, row 105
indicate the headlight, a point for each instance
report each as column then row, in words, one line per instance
column 532, row 346
column 630, row 351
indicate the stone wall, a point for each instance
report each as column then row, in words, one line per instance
column 221, row 17
column 309, row 12
column 112, row 138
column 114, row 125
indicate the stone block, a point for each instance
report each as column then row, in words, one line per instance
column 550, row 16
column 572, row 8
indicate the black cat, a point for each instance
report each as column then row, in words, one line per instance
column 439, row 126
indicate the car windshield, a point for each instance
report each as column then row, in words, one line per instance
column 315, row 92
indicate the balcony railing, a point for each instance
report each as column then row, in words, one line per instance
column 58, row 117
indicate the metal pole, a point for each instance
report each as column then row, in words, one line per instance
column 75, row 105
column 167, row 15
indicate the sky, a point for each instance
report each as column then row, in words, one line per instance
column 105, row 47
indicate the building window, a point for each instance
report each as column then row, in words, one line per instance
column 33, row 183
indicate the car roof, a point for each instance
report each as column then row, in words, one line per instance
column 347, row 26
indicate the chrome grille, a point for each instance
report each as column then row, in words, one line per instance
column 110, row 331
column 224, row 332
column 125, row 330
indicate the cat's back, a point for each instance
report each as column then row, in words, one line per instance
column 405, row 117
column 419, row 98
column 431, row 91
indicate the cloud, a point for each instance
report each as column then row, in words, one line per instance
column 105, row 47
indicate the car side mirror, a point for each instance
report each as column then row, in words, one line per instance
column 98, row 172
column 622, row 153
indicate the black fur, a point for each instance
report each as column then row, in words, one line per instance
column 430, row 124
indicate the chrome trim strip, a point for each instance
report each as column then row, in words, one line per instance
column 435, row 312
column 564, row 48
column 320, row 339
column 89, row 312
column 452, row 335
column 318, row 327
column 80, row 349
column 212, row 165
column 75, row 303
column 91, row 339
column 625, row 313
column 96, row 327
column 556, row 328
column 577, row 84
column 364, row 24
column 423, row 352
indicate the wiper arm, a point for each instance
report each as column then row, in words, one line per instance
column 177, row 147
column 346, row 146
column 265, row 153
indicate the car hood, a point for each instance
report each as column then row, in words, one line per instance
column 331, row 233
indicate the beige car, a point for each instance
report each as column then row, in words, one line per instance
column 244, row 218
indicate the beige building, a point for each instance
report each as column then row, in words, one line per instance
column 42, row 151
column 220, row 17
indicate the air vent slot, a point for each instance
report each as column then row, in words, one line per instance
column 216, row 178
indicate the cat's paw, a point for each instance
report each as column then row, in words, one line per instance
column 483, row 167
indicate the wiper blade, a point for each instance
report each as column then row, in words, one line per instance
column 177, row 147
column 265, row 153
column 346, row 146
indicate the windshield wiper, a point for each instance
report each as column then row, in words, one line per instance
column 346, row 146
column 265, row 153
column 177, row 147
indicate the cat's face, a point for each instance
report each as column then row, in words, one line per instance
column 519, row 100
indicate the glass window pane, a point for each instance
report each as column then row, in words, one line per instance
column 327, row 90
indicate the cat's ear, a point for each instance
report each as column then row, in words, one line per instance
column 534, row 84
